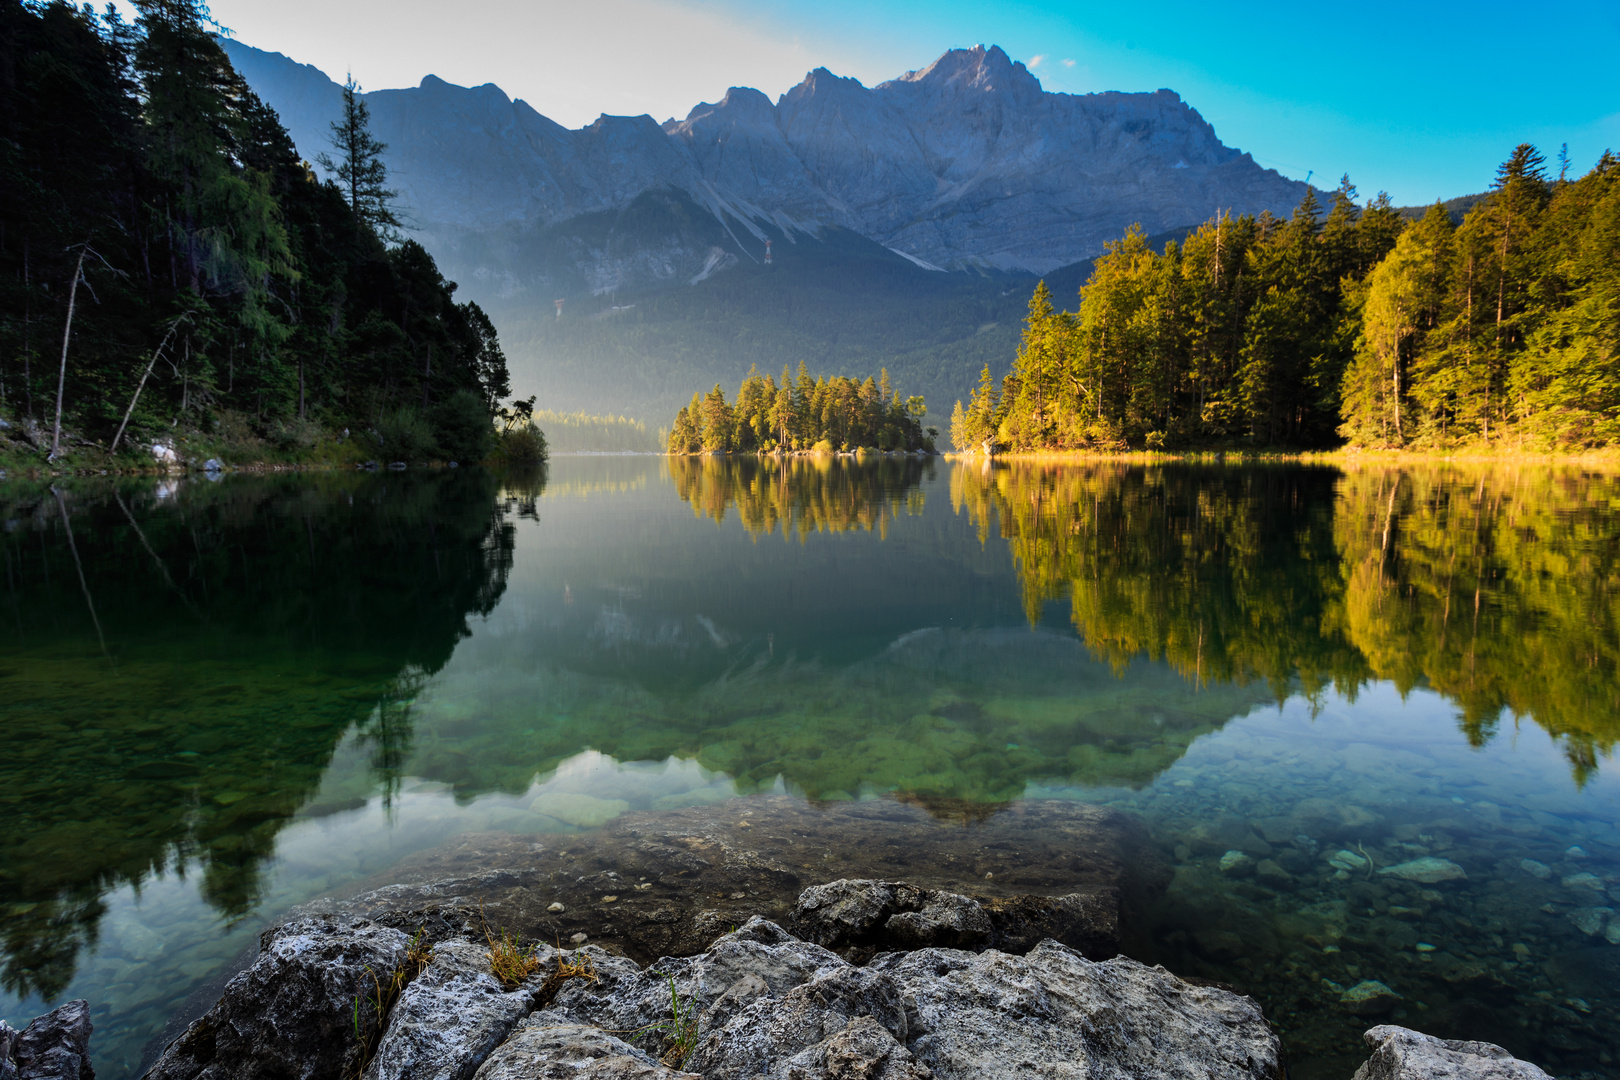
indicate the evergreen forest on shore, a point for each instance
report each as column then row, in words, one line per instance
column 172, row 271
column 828, row 414
column 1355, row 327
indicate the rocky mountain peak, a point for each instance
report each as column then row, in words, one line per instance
column 978, row 68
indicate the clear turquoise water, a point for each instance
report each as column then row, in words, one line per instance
column 218, row 700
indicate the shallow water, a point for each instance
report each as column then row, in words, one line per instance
column 218, row 700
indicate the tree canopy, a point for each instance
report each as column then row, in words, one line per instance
column 226, row 282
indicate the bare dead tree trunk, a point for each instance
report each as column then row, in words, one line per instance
column 61, row 374
column 142, row 384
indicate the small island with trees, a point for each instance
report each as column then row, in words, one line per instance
column 825, row 415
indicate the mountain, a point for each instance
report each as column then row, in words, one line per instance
column 930, row 201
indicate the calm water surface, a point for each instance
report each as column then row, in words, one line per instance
column 1367, row 714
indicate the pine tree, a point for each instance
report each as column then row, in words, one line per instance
column 359, row 167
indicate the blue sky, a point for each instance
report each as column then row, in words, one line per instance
column 1421, row 100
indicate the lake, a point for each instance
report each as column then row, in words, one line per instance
column 1365, row 713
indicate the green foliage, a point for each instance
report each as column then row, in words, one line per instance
column 822, row 415
column 404, row 434
column 142, row 142
column 525, row 445
column 463, row 430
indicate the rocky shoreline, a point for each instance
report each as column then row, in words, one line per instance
column 867, row 980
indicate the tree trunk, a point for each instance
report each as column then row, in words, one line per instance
column 61, row 374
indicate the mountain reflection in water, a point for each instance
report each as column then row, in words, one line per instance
column 388, row 661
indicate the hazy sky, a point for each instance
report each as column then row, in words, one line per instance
column 1422, row 100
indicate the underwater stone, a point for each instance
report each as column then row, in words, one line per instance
column 1403, row 1054
column 1612, row 933
column 1538, row 870
column 1584, row 881
column 1428, row 870
column 1269, row 870
column 586, row 811
column 1369, row 997
column 1237, row 863
column 1575, row 851
column 1347, row 860
column 1590, row 920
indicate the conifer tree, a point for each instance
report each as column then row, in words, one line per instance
column 359, row 167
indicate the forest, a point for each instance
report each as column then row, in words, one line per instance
column 822, row 415
column 1345, row 324
column 171, row 269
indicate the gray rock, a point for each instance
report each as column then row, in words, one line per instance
column 1237, row 864
column 1054, row 1013
column 859, row 918
column 888, row 914
column 213, row 464
column 55, row 1046
column 450, row 1017
column 785, row 1037
column 1539, row 870
column 8, row 1048
column 547, row 1045
column 291, row 1015
column 759, row 959
column 1403, row 1054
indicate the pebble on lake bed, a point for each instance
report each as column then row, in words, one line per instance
column 555, row 907
column 579, row 938
column 1538, row 870
column 1584, row 881
column 1428, row 870
column 1236, row 862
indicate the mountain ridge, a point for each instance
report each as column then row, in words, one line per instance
column 966, row 165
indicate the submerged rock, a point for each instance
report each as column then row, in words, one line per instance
column 55, row 1046
column 1427, row 870
column 1538, row 870
column 1369, row 998
column 1403, row 1054
column 1590, row 920
column 1084, row 875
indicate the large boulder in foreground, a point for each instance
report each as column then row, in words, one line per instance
column 55, row 1046
column 292, row 1015
column 758, row 1002
column 991, row 1016
column 1403, row 1054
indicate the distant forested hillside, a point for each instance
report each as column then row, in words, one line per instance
column 169, row 264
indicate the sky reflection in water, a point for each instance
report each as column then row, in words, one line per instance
column 306, row 679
